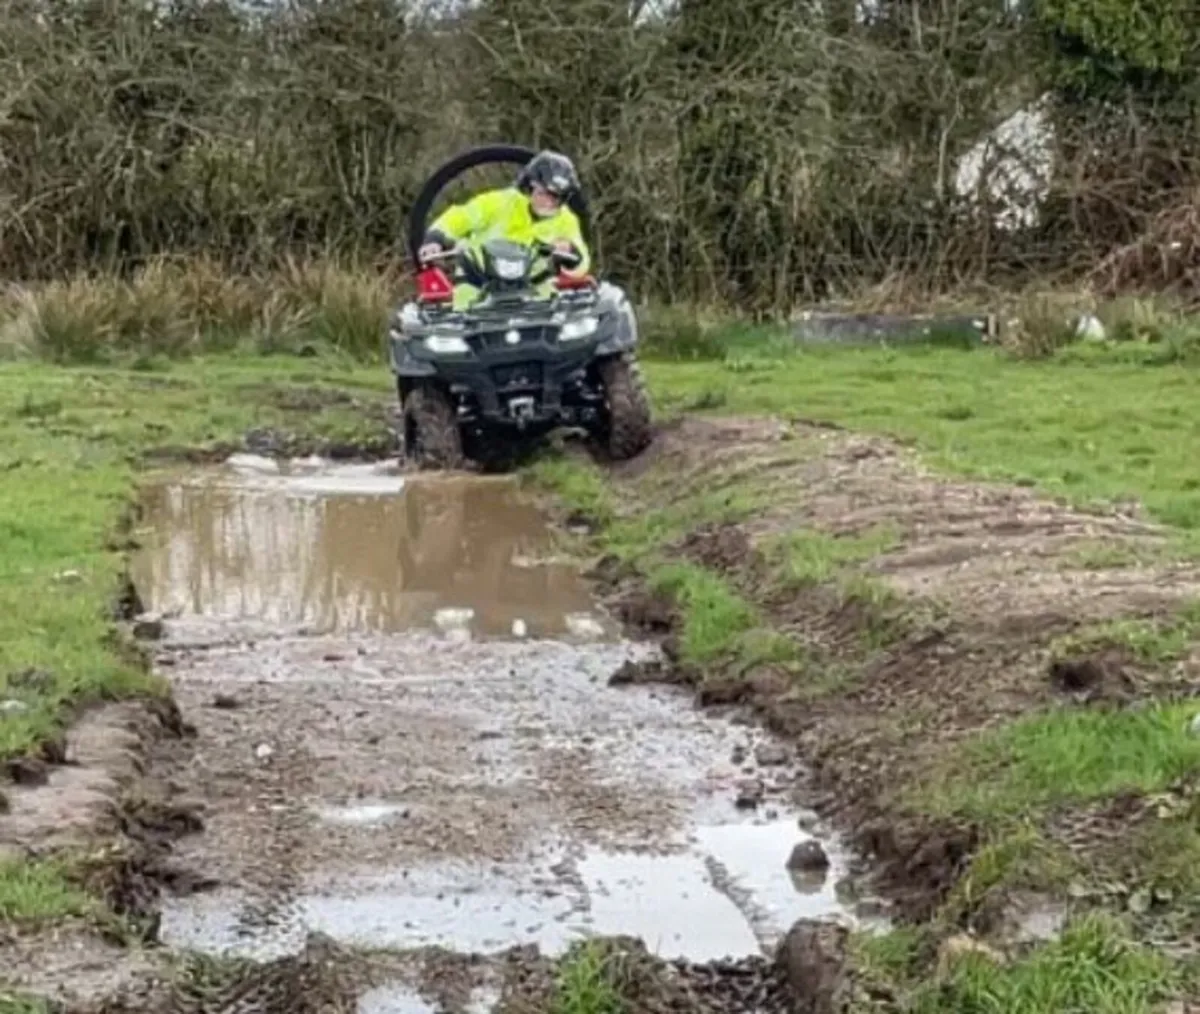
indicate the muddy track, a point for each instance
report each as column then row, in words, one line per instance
column 402, row 743
column 416, row 757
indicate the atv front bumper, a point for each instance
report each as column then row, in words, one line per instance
column 533, row 381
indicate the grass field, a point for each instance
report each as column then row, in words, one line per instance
column 1099, row 425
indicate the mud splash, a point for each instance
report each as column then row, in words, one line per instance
column 396, row 781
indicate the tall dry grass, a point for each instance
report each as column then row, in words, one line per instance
column 172, row 308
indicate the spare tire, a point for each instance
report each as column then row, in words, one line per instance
column 513, row 154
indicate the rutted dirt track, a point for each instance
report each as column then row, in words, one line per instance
column 402, row 737
column 418, row 757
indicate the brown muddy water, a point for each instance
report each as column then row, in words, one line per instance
column 406, row 735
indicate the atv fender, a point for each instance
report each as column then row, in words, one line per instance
column 624, row 335
column 405, row 364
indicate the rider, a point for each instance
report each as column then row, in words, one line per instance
column 534, row 208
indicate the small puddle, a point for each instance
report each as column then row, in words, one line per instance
column 726, row 893
column 357, row 547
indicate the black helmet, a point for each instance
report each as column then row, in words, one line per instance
column 552, row 171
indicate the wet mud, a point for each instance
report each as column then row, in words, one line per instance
column 408, row 737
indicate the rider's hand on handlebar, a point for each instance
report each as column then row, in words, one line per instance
column 428, row 252
column 565, row 253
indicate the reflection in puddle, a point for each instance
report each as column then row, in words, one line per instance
column 357, row 548
column 363, row 814
column 727, row 894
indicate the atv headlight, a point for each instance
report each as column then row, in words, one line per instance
column 581, row 327
column 446, row 344
column 509, row 268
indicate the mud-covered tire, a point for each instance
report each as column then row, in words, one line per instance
column 432, row 438
column 629, row 426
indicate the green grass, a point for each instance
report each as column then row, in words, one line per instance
column 1153, row 641
column 35, row 892
column 1067, row 756
column 69, row 443
column 811, row 557
column 1090, row 426
column 1094, row 967
column 583, row 984
column 715, row 617
column 17, row 1003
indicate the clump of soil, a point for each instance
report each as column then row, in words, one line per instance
column 1102, row 675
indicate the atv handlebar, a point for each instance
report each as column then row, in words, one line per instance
column 566, row 260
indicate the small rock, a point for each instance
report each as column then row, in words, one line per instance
column 226, row 702
column 750, row 794
column 519, row 629
column 812, row 960
column 1140, row 901
column 148, row 628
column 1194, row 725
column 27, row 771
column 331, row 656
column 13, row 707
column 771, row 754
column 738, row 756
column 68, row 577
column 263, row 751
column 809, row 857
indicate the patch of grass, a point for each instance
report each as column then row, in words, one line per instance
column 38, row 892
column 577, row 484
column 1093, row 967
column 810, row 557
column 715, row 617
column 19, row 1003
column 68, row 440
column 583, row 984
column 1153, row 641
column 1090, row 426
column 1067, row 756
column 1018, row 856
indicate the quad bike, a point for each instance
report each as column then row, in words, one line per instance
column 516, row 364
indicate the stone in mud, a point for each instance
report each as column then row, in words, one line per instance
column 13, row 707
column 26, row 771
column 722, row 690
column 771, row 754
column 750, row 794
column 148, row 628
column 226, row 702
column 808, row 857
column 812, row 960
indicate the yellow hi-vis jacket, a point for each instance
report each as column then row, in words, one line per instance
column 505, row 214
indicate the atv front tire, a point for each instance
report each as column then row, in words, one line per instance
column 630, row 426
column 432, row 438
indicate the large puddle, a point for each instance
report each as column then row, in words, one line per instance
column 424, row 749
column 357, row 548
